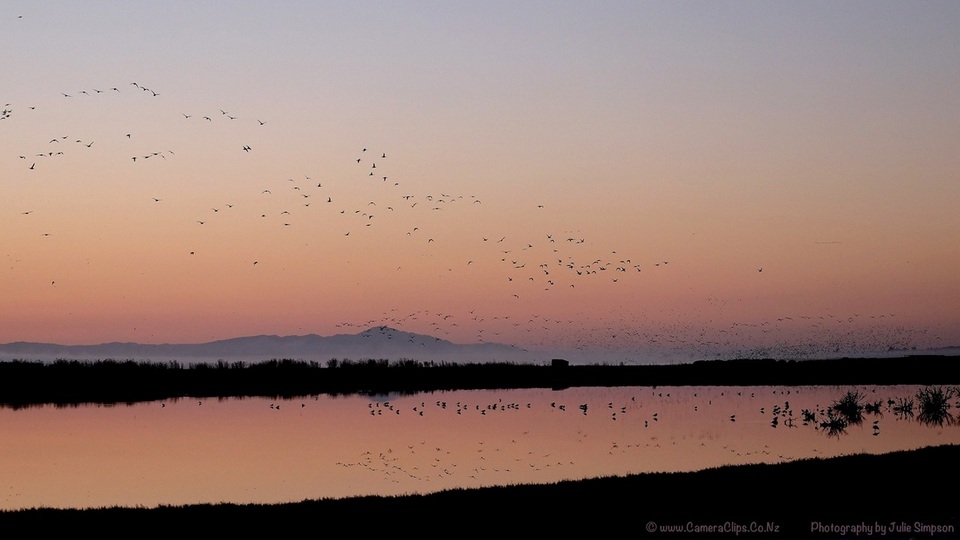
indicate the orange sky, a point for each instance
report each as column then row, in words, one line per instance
column 526, row 147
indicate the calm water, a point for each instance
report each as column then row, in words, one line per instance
column 263, row 450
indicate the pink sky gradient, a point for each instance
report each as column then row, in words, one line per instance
column 686, row 145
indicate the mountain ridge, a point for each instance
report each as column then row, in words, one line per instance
column 374, row 342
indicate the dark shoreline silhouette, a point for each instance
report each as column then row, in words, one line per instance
column 901, row 489
column 71, row 382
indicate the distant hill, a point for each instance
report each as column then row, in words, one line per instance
column 376, row 342
column 383, row 342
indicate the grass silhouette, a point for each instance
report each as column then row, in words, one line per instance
column 934, row 404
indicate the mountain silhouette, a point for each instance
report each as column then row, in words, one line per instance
column 380, row 342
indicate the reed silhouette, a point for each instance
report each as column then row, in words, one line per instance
column 850, row 407
column 934, row 404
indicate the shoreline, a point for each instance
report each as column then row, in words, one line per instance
column 67, row 383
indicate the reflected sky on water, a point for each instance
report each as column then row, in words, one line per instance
column 265, row 450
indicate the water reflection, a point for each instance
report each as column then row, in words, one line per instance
column 263, row 450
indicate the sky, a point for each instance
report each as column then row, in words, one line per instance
column 634, row 178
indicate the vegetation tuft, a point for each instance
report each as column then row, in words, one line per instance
column 850, row 407
column 934, row 403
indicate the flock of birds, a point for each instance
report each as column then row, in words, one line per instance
column 377, row 204
column 667, row 336
column 528, row 262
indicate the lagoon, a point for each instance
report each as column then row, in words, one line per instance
column 261, row 450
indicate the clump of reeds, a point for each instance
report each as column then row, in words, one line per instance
column 850, row 407
column 934, row 403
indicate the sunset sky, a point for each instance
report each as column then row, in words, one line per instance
column 626, row 177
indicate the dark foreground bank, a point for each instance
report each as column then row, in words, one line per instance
column 910, row 494
column 25, row 383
